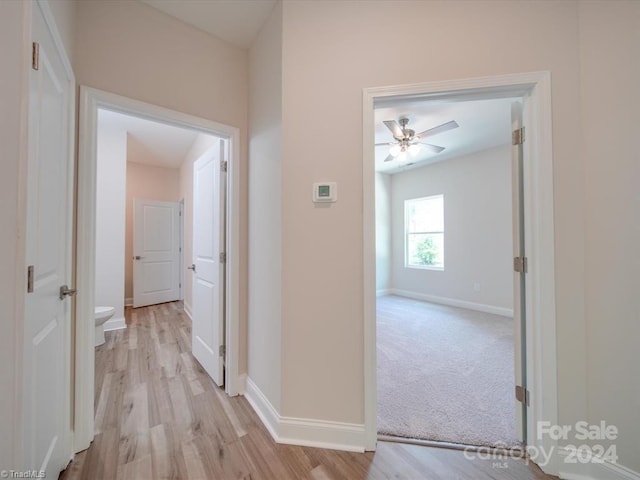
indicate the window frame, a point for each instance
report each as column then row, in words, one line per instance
column 407, row 233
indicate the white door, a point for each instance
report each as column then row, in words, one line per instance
column 208, row 271
column 47, row 348
column 519, row 298
column 156, row 250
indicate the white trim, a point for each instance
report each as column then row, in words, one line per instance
column 453, row 302
column 304, row 431
column 187, row 310
column 541, row 326
column 594, row 470
column 115, row 324
column 90, row 101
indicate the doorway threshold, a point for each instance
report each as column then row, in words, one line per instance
column 516, row 452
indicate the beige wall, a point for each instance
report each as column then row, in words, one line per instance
column 610, row 76
column 148, row 183
column 133, row 50
column 265, row 209
column 594, row 182
column 12, row 277
column 322, row 248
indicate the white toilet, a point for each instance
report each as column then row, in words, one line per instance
column 102, row 314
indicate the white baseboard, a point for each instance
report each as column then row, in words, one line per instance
column 187, row 310
column 303, row 431
column 115, row 324
column 128, row 302
column 452, row 302
column 593, row 470
column 382, row 292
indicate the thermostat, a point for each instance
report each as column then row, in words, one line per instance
column 325, row 192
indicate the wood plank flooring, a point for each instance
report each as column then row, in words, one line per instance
column 159, row 416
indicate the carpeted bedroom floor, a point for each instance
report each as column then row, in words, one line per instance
column 444, row 373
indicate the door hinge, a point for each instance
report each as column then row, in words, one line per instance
column 223, row 166
column 179, row 285
column 35, row 56
column 520, row 264
column 179, row 249
column 517, row 137
column 222, row 350
column 522, row 395
column 223, row 257
column 30, row 279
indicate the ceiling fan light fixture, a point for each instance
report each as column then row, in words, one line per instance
column 394, row 151
column 402, row 156
column 415, row 148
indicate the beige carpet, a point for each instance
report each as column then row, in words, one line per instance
column 445, row 373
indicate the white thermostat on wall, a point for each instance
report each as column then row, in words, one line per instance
column 325, row 192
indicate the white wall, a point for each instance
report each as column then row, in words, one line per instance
column 265, row 209
column 478, row 228
column 383, row 232
column 111, row 154
column 610, row 102
column 201, row 144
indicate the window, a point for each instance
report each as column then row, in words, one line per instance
column 424, row 232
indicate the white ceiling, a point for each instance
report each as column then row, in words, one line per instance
column 235, row 21
column 483, row 124
column 149, row 142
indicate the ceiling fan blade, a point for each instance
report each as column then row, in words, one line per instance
column 385, row 144
column 389, row 158
column 394, row 127
column 445, row 127
column 433, row 148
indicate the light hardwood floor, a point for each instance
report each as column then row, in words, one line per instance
column 159, row 416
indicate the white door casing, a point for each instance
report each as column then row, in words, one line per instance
column 539, row 237
column 91, row 100
column 47, row 349
column 156, row 250
column 208, row 271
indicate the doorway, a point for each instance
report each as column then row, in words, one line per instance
column 444, row 278
column 92, row 100
column 538, row 208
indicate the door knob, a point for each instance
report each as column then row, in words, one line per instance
column 138, row 257
column 192, row 267
column 65, row 291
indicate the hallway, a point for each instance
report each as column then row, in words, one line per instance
column 158, row 416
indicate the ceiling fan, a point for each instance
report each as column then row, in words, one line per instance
column 408, row 141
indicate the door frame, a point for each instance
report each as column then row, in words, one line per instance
column 539, row 236
column 91, row 100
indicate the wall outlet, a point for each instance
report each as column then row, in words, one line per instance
column 476, row 287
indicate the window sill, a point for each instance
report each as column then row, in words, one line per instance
column 425, row 267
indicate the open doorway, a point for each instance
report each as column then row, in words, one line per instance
column 91, row 103
column 538, row 381
column 444, row 271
